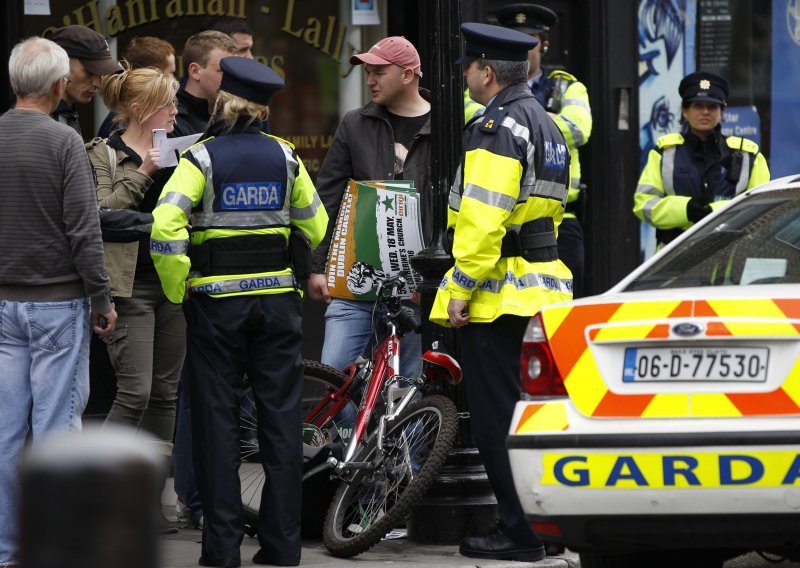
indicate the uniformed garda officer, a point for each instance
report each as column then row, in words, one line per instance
column 567, row 101
column 255, row 213
column 504, row 208
column 691, row 173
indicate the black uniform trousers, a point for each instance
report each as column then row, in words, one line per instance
column 571, row 252
column 490, row 360
column 226, row 338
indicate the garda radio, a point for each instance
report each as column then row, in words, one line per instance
column 257, row 196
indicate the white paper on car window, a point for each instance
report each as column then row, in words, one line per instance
column 762, row 268
column 171, row 148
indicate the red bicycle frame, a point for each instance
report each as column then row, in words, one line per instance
column 382, row 368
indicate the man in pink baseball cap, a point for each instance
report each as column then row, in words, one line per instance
column 394, row 50
column 388, row 138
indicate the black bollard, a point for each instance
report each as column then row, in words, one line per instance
column 91, row 499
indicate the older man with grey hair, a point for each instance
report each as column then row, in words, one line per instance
column 53, row 285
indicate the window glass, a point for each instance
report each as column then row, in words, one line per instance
column 756, row 241
column 303, row 40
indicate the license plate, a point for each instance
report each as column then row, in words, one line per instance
column 745, row 364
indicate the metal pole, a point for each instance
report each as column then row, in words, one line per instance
column 461, row 503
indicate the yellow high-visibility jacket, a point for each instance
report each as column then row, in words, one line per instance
column 669, row 180
column 574, row 120
column 241, row 184
column 515, row 169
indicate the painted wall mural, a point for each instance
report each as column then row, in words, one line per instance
column 666, row 30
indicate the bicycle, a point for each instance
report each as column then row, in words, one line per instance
column 399, row 440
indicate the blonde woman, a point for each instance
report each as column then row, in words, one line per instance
column 148, row 346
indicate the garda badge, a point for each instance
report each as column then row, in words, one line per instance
column 705, row 84
column 492, row 119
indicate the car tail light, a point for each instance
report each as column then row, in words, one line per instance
column 546, row 529
column 538, row 372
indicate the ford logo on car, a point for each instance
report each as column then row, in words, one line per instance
column 686, row 329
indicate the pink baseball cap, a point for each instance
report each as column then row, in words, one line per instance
column 393, row 50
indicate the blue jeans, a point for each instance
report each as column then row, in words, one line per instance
column 347, row 335
column 44, row 387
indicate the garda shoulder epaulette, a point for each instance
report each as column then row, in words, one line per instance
column 561, row 74
column 492, row 119
column 736, row 143
column 671, row 139
column 279, row 139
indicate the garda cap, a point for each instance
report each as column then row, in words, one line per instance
column 704, row 86
column 485, row 41
column 528, row 18
column 249, row 79
column 88, row 47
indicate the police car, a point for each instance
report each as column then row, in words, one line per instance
column 660, row 421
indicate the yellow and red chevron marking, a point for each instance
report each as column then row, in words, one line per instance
column 543, row 417
column 571, row 329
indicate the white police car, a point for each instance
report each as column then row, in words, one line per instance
column 661, row 419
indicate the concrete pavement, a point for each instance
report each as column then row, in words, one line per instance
column 182, row 550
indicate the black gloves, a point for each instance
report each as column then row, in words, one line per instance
column 697, row 208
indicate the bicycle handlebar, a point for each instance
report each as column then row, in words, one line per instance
column 392, row 284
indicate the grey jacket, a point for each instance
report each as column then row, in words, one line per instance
column 363, row 149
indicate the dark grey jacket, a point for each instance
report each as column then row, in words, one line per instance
column 363, row 149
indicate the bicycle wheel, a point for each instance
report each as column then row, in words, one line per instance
column 415, row 447
column 318, row 380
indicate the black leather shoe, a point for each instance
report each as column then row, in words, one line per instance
column 500, row 547
column 261, row 558
column 232, row 562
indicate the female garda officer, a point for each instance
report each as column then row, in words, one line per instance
column 252, row 202
column 689, row 174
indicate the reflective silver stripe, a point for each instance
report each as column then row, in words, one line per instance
column 529, row 280
column 550, row 189
column 307, row 212
column 169, row 248
column 668, row 170
column 291, row 168
column 577, row 134
column 576, row 102
column 529, row 179
column 247, row 219
column 574, row 182
column 463, row 279
column 245, row 284
column 179, row 200
column 493, row 198
column 744, row 177
column 647, row 210
column 648, row 189
column 203, row 158
column 454, row 199
column 516, row 128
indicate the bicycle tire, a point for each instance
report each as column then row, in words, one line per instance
column 317, row 380
column 423, row 433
